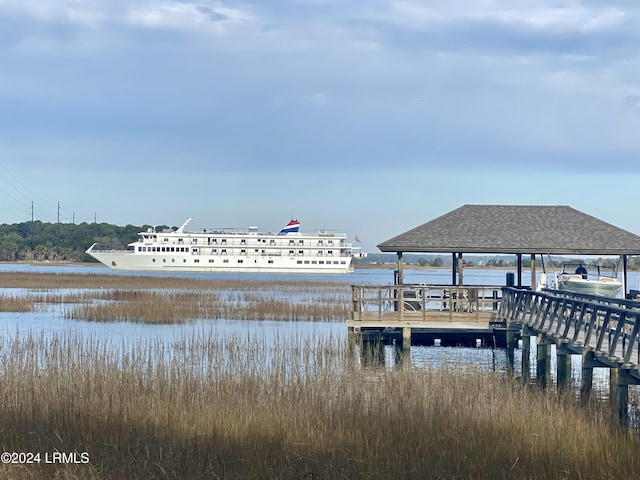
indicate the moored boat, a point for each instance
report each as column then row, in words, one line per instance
column 233, row 250
column 588, row 279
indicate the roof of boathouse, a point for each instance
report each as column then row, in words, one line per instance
column 553, row 229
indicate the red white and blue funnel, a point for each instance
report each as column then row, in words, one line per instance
column 292, row 226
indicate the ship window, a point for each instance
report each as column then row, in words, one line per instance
column 224, row 240
column 153, row 260
column 194, row 240
column 319, row 253
column 292, row 252
column 269, row 261
column 240, row 261
column 225, row 261
column 300, row 242
column 211, row 260
column 335, row 262
column 197, row 260
column 329, row 252
column 306, row 262
column 173, row 260
column 164, row 260
column 243, row 251
column 321, row 262
column 214, row 250
column 243, row 241
column 319, row 242
column 343, row 262
column 165, row 239
column 330, row 242
column 224, row 251
column 180, row 240
column 291, row 242
column 313, row 262
column 272, row 242
column 184, row 260
column 299, row 262
column 300, row 252
column 214, row 240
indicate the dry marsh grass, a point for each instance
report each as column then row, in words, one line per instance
column 252, row 409
column 173, row 299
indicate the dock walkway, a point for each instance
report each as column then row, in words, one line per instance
column 604, row 331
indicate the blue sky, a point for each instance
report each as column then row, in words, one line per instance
column 370, row 117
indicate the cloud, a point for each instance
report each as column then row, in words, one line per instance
column 226, row 84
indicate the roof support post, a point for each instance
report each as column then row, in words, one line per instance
column 519, row 257
column 400, row 280
column 534, row 285
column 624, row 275
column 454, row 268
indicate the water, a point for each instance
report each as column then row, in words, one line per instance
column 127, row 334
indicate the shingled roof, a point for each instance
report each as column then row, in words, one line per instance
column 556, row 229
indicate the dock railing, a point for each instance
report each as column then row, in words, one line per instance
column 424, row 302
column 608, row 327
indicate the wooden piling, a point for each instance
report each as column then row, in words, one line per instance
column 406, row 338
column 587, row 376
column 543, row 360
column 563, row 368
column 526, row 356
column 511, row 347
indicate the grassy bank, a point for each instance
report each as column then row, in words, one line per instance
column 251, row 409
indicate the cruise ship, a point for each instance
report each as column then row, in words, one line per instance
column 233, row 250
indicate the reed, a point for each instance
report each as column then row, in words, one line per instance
column 165, row 300
column 238, row 408
column 53, row 280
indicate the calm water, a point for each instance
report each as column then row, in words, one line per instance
column 124, row 334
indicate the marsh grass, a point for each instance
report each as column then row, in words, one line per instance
column 252, row 409
column 165, row 300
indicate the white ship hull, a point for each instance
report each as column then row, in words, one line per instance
column 232, row 251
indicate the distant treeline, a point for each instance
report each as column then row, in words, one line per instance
column 506, row 261
column 39, row 241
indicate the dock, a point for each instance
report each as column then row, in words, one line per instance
column 425, row 314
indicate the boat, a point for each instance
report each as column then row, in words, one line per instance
column 233, row 250
column 588, row 279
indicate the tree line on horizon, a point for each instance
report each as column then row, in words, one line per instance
column 40, row 241
column 503, row 261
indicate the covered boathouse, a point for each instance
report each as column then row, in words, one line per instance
column 468, row 314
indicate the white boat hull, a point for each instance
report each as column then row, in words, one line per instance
column 574, row 283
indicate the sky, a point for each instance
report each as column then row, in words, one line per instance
column 368, row 117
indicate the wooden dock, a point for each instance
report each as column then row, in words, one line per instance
column 426, row 313
column 604, row 331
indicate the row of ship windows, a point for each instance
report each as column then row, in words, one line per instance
column 222, row 251
column 299, row 262
column 243, row 241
